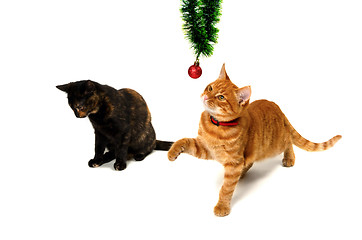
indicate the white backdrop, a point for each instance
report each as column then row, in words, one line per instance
column 304, row 55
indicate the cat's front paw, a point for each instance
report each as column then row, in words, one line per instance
column 94, row 163
column 119, row 166
column 221, row 210
column 175, row 150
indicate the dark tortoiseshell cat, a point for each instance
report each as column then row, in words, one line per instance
column 120, row 118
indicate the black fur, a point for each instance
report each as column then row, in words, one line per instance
column 121, row 122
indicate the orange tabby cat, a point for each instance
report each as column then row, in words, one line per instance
column 236, row 134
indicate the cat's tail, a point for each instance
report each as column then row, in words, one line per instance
column 163, row 145
column 307, row 145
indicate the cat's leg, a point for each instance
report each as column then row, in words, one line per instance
column 121, row 152
column 191, row 146
column 245, row 169
column 100, row 147
column 109, row 156
column 289, row 157
column 121, row 157
column 232, row 175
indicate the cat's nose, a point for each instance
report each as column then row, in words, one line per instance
column 205, row 97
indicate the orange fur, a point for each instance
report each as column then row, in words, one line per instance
column 263, row 131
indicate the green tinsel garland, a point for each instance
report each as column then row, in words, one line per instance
column 200, row 18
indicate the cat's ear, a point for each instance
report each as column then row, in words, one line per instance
column 64, row 87
column 243, row 94
column 223, row 74
column 89, row 86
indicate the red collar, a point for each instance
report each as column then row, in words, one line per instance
column 217, row 123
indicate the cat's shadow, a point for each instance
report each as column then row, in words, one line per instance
column 257, row 173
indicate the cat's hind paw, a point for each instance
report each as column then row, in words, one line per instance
column 287, row 162
column 221, row 210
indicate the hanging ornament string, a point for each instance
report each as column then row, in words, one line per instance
column 200, row 18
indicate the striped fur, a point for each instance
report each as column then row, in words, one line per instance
column 309, row 146
column 263, row 131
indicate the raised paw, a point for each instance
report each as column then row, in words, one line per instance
column 175, row 151
column 221, row 210
column 119, row 166
column 287, row 162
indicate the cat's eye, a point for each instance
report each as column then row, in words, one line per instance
column 209, row 88
column 220, row 97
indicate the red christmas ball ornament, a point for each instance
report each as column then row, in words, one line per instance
column 195, row 70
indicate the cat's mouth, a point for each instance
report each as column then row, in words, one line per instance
column 80, row 113
column 207, row 106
